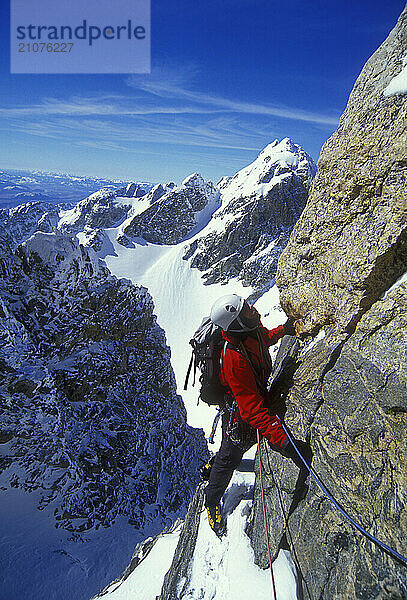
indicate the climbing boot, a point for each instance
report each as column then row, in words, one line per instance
column 205, row 470
column 215, row 519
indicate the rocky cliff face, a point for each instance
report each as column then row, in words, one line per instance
column 343, row 274
column 350, row 244
column 260, row 205
column 170, row 212
column 104, row 208
column 90, row 414
column 24, row 220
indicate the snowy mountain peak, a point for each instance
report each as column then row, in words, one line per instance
column 286, row 153
column 156, row 193
column 269, row 148
column 275, row 163
column 104, row 208
column 196, row 183
column 260, row 205
column 286, row 144
column 193, row 180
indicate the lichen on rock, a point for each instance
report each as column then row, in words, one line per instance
column 350, row 243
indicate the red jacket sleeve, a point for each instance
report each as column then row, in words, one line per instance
column 275, row 334
column 239, row 376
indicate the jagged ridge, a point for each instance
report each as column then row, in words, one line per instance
column 90, row 410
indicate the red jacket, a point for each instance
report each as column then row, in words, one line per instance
column 237, row 374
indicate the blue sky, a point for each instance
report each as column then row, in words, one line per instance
column 228, row 77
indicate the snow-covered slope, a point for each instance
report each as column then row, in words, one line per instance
column 221, row 569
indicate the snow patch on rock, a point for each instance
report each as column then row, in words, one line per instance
column 398, row 85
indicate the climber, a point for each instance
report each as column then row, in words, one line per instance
column 245, row 367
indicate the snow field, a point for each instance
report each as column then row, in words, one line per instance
column 222, row 569
column 398, row 85
column 145, row 582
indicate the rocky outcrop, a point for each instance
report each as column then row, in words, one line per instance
column 105, row 208
column 24, row 220
column 170, row 213
column 350, row 244
column 177, row 578
column 260, row 205
column 343, row 274
column 90, row 413
column 134, row 190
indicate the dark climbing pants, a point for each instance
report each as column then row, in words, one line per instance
column 227, row 459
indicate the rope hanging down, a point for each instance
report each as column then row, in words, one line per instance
column 273, row 583
column 381, row 545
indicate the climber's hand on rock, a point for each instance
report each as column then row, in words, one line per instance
column 290, row 452
column 289, row 328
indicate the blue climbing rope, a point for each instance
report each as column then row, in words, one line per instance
column 385, row 547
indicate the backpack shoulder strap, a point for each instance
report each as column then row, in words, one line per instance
column 264, row 353
column 226, row 345
column 242, row 350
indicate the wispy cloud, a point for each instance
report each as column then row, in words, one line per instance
column 166, row 91
column 198, row 103
column 162, row 108
column 164, row 85
column 109, row 106
column 214, row 133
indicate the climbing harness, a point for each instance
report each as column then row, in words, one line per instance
column 373, row 539
column 273, row 583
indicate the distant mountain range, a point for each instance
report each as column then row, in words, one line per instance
column 18, row 187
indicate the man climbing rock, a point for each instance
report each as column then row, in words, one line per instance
column 245, row 367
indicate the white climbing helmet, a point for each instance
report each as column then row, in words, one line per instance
column 232, row 313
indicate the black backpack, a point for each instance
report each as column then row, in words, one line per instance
column 207, row 344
